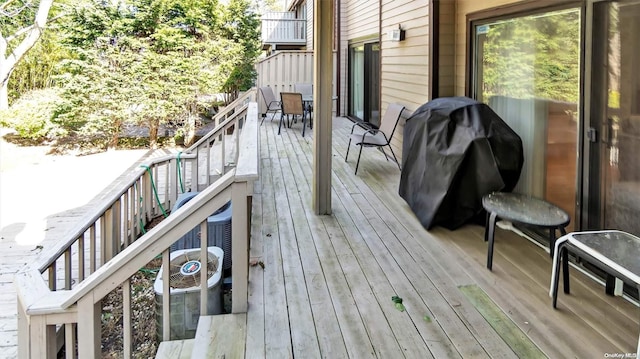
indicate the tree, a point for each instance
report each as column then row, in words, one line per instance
column 147, row 63
column 241, row 25
column 18, row 36
column 545, row 50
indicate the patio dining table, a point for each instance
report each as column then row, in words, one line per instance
column 617, row 253
column 307, row 101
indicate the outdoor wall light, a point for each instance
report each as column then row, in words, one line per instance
column 396, row 34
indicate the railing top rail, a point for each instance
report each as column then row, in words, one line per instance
column 248, row 166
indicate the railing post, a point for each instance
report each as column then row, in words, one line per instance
column 240, row 225
column 23, row 331
column 89, row 327
column 43, row 338
column 70, row 340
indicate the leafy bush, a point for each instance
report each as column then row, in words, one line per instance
column 31, row 115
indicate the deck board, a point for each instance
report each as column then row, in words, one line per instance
column 328, row 280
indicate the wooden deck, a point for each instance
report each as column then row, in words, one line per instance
column 326, row 285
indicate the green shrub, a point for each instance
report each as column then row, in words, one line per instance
column 31, row 115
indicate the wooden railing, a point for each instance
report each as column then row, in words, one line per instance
column 59, row 300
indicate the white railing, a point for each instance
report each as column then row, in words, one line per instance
column 59, row 300
column 283, row 28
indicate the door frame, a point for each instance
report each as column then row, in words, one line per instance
column 366, row 90
column 530, row 7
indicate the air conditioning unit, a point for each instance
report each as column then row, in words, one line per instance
column 218, row 230
column 184, row 279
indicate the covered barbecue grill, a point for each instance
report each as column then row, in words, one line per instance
column 455, row 150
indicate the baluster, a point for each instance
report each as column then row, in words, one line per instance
column 138, row 207
column 132, row 214
column 103, row 240
column 208, row 159
column 169, row 184
column 126, row 319
column 81, row 258
column 93, row 251
column 147, row 203
column 126, row 220
column 107, row 240
column 68, row 273
column 166, row 291
column 116, row 227
column 195, row 171
column 204, row 270
column 155, row 199
column 223, row 141
column 53, row 276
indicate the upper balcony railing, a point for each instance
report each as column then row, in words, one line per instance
column 59, row 299
column 283, row 28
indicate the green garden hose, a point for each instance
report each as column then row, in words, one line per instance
column 155, row 191
column 180, row 173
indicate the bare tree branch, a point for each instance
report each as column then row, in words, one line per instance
column 9, row 61
column 13, row 12
column 22, row 31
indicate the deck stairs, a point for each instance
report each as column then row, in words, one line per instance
column 217, row 337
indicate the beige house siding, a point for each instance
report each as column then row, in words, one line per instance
column 446, row 48
column 361, row 18
column 404, row 74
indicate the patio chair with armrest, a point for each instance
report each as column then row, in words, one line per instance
column 368, row 136
column 270, row 101
column 292, row 106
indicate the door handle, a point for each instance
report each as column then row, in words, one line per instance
column 607, row 131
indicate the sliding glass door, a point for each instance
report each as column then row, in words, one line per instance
column 615, row 119
column 364, row 82
column 527, row 69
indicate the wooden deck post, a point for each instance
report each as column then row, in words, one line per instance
column 322, row 78
column 24, row 348
column 89, row 327
column 240, row 252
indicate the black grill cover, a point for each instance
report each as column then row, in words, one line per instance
column 455, row 150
